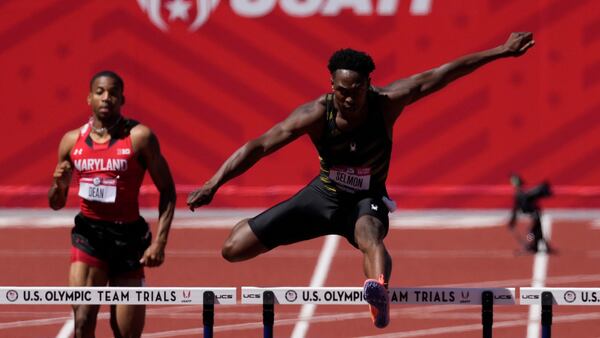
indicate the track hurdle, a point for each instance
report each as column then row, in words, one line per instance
column 208, row 297
column 547, row 297
column 269, row 297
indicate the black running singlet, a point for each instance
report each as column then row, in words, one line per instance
column 358, row 160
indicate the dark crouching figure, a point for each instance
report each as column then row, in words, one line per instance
column 526, row 201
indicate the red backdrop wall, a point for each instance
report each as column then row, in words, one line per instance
column 205, row 87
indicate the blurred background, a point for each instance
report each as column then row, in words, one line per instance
column 207, row 75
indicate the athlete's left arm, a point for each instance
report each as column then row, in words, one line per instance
column 146, row 144
column 408, row 90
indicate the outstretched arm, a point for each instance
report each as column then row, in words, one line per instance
column 61, row 179
column 301, row 121
column 146, row 144
column 411, row 89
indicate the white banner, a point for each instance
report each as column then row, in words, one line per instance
column 341, row 295
column 561, row 296
column 113, row 295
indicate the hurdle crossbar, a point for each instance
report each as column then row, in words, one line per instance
column 207, row 297
column 113, row 295
column 486, row 297
column 547, row 297
column 561, row 296
column 354, row 295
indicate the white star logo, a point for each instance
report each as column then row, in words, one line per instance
column 178, row 9
column 353, row 146
column 374, row 206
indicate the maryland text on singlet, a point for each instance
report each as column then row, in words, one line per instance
column 357, row 160
column 109, row 176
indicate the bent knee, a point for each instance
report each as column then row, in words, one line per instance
column 230, row 252
column 370, row 229
column 242, row 244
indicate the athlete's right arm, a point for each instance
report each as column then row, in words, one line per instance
column 305, row 119
column 61, row 179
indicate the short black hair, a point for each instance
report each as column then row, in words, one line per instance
column 111, row 74
column 348, row 58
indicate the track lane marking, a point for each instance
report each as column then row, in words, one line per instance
column 318, row 279
column 540, row 271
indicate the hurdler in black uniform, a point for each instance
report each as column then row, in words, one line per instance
column 351, row 183
column 352, row 131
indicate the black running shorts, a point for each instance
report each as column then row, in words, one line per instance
column 314, row 212
column 120, row 245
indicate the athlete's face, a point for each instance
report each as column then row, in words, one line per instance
column 349, row 91
column 106, row 98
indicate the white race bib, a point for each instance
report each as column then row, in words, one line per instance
column 98, row 189
column 351, row 178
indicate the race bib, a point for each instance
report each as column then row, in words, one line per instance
column 353, row 179
column 98, row 189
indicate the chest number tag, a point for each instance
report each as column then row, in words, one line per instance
column 98, row 189
column 351, row 178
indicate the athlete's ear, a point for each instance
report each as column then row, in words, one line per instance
column 331, row 79
column 89, row 99
column 123, row 100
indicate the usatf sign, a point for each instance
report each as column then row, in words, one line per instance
column 183, row 9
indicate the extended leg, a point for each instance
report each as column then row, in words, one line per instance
column 369, row 234
column 377, row 264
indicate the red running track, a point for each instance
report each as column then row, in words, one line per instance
column 480, row 257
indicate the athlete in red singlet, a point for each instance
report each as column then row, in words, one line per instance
column 111, row 241
column 110, row 176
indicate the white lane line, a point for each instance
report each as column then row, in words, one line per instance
column 318, row 279
column 69, row 326
column 67, row 329
column 595, row 223
column 540, row 270
column 32, row 323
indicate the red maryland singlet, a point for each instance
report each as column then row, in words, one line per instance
column 109, row 177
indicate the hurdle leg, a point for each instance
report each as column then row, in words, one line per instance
column 546, row 314
column 208, row 313
column 487, row 313
column 268, row 313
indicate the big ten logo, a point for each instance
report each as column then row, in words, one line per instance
column 184, row 10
